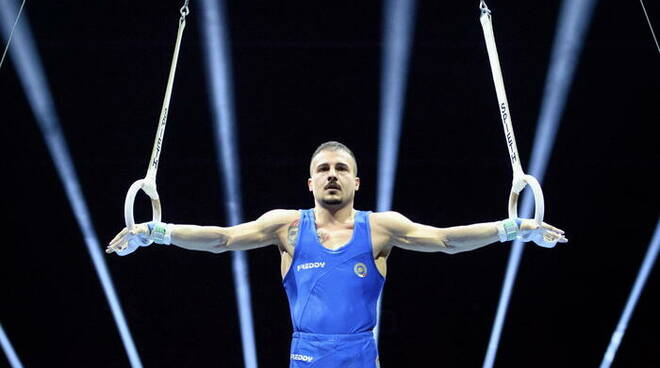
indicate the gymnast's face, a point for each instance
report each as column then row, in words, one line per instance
column 333, row 181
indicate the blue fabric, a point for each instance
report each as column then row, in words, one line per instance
column 333, row 351
column 333, row 296
column 333, row 292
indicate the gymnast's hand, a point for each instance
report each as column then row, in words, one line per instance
column 546, row 234
column 127, row 241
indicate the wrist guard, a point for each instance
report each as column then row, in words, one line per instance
column 508, row 229
column 160, row 233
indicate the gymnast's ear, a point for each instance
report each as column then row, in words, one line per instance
column 357, row 183
column 309, row 185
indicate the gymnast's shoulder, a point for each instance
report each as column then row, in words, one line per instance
column 278, row 218
column 389, row 221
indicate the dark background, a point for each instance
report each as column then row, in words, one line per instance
column 304, row 73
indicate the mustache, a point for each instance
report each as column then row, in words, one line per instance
column 332, row 185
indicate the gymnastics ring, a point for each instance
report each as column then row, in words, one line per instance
column 149, row 188
column 519, row 183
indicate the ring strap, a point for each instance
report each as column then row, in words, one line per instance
column 148, row 184
column 520, row 179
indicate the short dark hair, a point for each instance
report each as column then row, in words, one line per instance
column 335, row 146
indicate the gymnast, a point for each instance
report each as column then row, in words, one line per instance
column 333, row 257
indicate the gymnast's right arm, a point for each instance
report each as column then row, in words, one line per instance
column 254, row 234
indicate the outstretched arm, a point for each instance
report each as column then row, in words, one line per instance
column 403, row 233
column 249, row 235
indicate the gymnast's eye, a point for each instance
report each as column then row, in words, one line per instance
column 342, row 167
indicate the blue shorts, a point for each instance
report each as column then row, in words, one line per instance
column 310, row 350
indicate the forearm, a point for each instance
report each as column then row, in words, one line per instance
column 400, row 232
column 469, row 237
column 259, row 233
column 205, row 238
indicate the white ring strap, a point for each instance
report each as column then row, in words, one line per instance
column 148, row 184
column 520, row 179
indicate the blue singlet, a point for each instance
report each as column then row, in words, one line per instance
column 333, row 296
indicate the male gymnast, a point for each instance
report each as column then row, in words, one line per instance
column 333, row 257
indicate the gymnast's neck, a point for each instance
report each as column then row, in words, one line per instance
column 328, row 214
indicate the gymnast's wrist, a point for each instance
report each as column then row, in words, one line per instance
column 160, row 233
column 508, row 229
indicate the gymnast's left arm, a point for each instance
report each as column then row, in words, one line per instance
column 401, row 232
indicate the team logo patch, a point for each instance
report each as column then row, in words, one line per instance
column 360, row 269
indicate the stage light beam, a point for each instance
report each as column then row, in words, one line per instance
column 572, row 27
column 398, row 25
column 398, row 19
column 27, row 63
column 642, row 275
column 218, row 66
column 12, row 357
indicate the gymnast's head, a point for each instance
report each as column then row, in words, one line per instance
column 333, row 175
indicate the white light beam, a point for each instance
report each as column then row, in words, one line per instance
column 398, row 25
column 644, row 271
column 12, row 357
column 218, row 67
column 27, row 63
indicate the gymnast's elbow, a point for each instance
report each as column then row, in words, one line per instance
column 435, row 245
column 442, row 244
column 451, row 249
column 220, row 241
column 448, row 248
column 226, row 241
column 218, row 248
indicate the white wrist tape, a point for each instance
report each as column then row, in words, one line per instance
column 507, row 230
column 160, row 233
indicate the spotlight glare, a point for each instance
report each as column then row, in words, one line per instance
column 31, row 73
column 398, row 19
column 9, row 350
column 647, row 266
column 571, row 29
column 218, row 67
